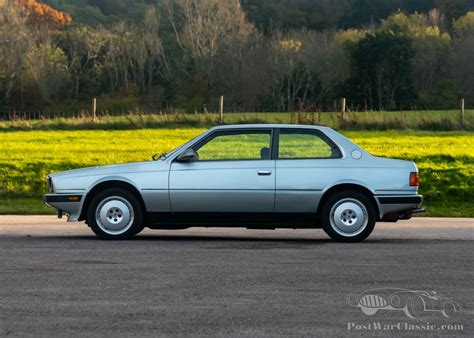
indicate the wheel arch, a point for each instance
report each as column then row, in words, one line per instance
column 347, row 187
column 111, row 183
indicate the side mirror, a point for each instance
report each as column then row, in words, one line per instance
column 187, row 156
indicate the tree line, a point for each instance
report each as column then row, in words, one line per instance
column 183, row 54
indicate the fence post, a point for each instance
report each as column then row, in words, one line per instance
column 462, row 112
column 343, row 108
column 221, row 108
column 94, row 109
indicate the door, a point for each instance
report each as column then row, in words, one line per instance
column 306, row 161
column 233, row 173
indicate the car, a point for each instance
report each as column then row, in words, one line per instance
column 261, row 176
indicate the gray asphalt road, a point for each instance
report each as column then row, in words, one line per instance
column 57, row 279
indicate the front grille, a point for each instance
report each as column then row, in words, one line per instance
column 374, row 301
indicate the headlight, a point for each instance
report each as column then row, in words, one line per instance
column 49, row 182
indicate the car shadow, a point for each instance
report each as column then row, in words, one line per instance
column 188, row 238
column 220, row 238
column 244, row 238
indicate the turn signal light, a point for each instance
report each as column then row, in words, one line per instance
column 73, row 198
column 414, row 180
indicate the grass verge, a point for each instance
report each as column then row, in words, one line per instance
column 435, row 120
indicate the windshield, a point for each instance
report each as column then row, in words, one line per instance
column 164, row 156
column 157, row 157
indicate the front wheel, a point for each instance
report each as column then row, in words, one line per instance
column 348, row 216
column 115, row 214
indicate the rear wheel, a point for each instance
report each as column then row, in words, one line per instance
column 348, row 216
column 115, row 214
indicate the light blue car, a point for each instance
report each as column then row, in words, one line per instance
column 255, row 176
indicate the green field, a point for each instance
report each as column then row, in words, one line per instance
column 445, row 159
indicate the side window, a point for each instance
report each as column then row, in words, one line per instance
column 245, row 145
column 301, row 144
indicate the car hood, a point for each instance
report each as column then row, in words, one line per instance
column 112, row 169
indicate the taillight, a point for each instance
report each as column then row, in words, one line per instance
column 414, row 180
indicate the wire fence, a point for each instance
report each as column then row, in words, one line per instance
column 343, row 115
column 50, row 115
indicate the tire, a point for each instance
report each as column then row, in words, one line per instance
column 115, row 213
column 348, row 216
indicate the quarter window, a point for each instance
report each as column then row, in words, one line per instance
column 301, row 144
column 251, row 145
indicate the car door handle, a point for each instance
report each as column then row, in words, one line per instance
column 264, row 172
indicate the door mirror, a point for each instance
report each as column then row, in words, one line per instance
column 187, row 156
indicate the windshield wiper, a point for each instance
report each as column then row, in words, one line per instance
column 156, row 157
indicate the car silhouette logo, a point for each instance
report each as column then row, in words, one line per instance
column 414, row 303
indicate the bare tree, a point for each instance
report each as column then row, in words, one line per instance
column 15, row 41
column 144, row 53
column 305, row 67
column 205, row 28
column 244, row 73
column 46, row 65
column 83, row 46
column 115, row 61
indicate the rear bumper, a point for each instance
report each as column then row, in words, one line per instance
column 69, row 204
column 395, row 207
column 415, row 199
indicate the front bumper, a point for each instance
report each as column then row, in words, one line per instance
column 395, row 207
column 69, row 204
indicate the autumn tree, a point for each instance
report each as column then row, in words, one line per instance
column 30, row 60
column 42, row 15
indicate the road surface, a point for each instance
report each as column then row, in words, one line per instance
column 57, row 279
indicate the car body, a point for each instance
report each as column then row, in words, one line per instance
column 258, row 176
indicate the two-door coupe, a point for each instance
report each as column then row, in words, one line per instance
column 256, row 176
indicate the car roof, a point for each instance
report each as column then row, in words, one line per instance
column 268, row 125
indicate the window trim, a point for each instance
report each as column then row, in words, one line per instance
column 208, row 138
column 314, row 132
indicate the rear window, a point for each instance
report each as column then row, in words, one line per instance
column 302, row 144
